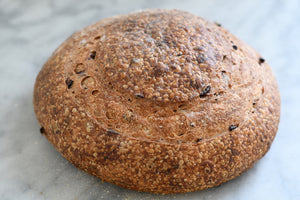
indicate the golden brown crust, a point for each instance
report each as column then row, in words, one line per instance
column 159, row 101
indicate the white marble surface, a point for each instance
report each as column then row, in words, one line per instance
column 30, row 30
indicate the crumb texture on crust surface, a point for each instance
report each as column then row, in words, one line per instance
column 158, row 101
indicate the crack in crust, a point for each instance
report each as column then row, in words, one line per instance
column 160, row 79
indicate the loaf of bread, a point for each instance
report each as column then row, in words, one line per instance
column 159, row 101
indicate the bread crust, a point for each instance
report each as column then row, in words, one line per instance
column 159, row 101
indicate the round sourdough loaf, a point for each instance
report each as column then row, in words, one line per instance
column 159, row 101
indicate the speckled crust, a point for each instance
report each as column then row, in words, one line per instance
column 159, row 101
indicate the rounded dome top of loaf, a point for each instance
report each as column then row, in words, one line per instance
column 169, row 56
